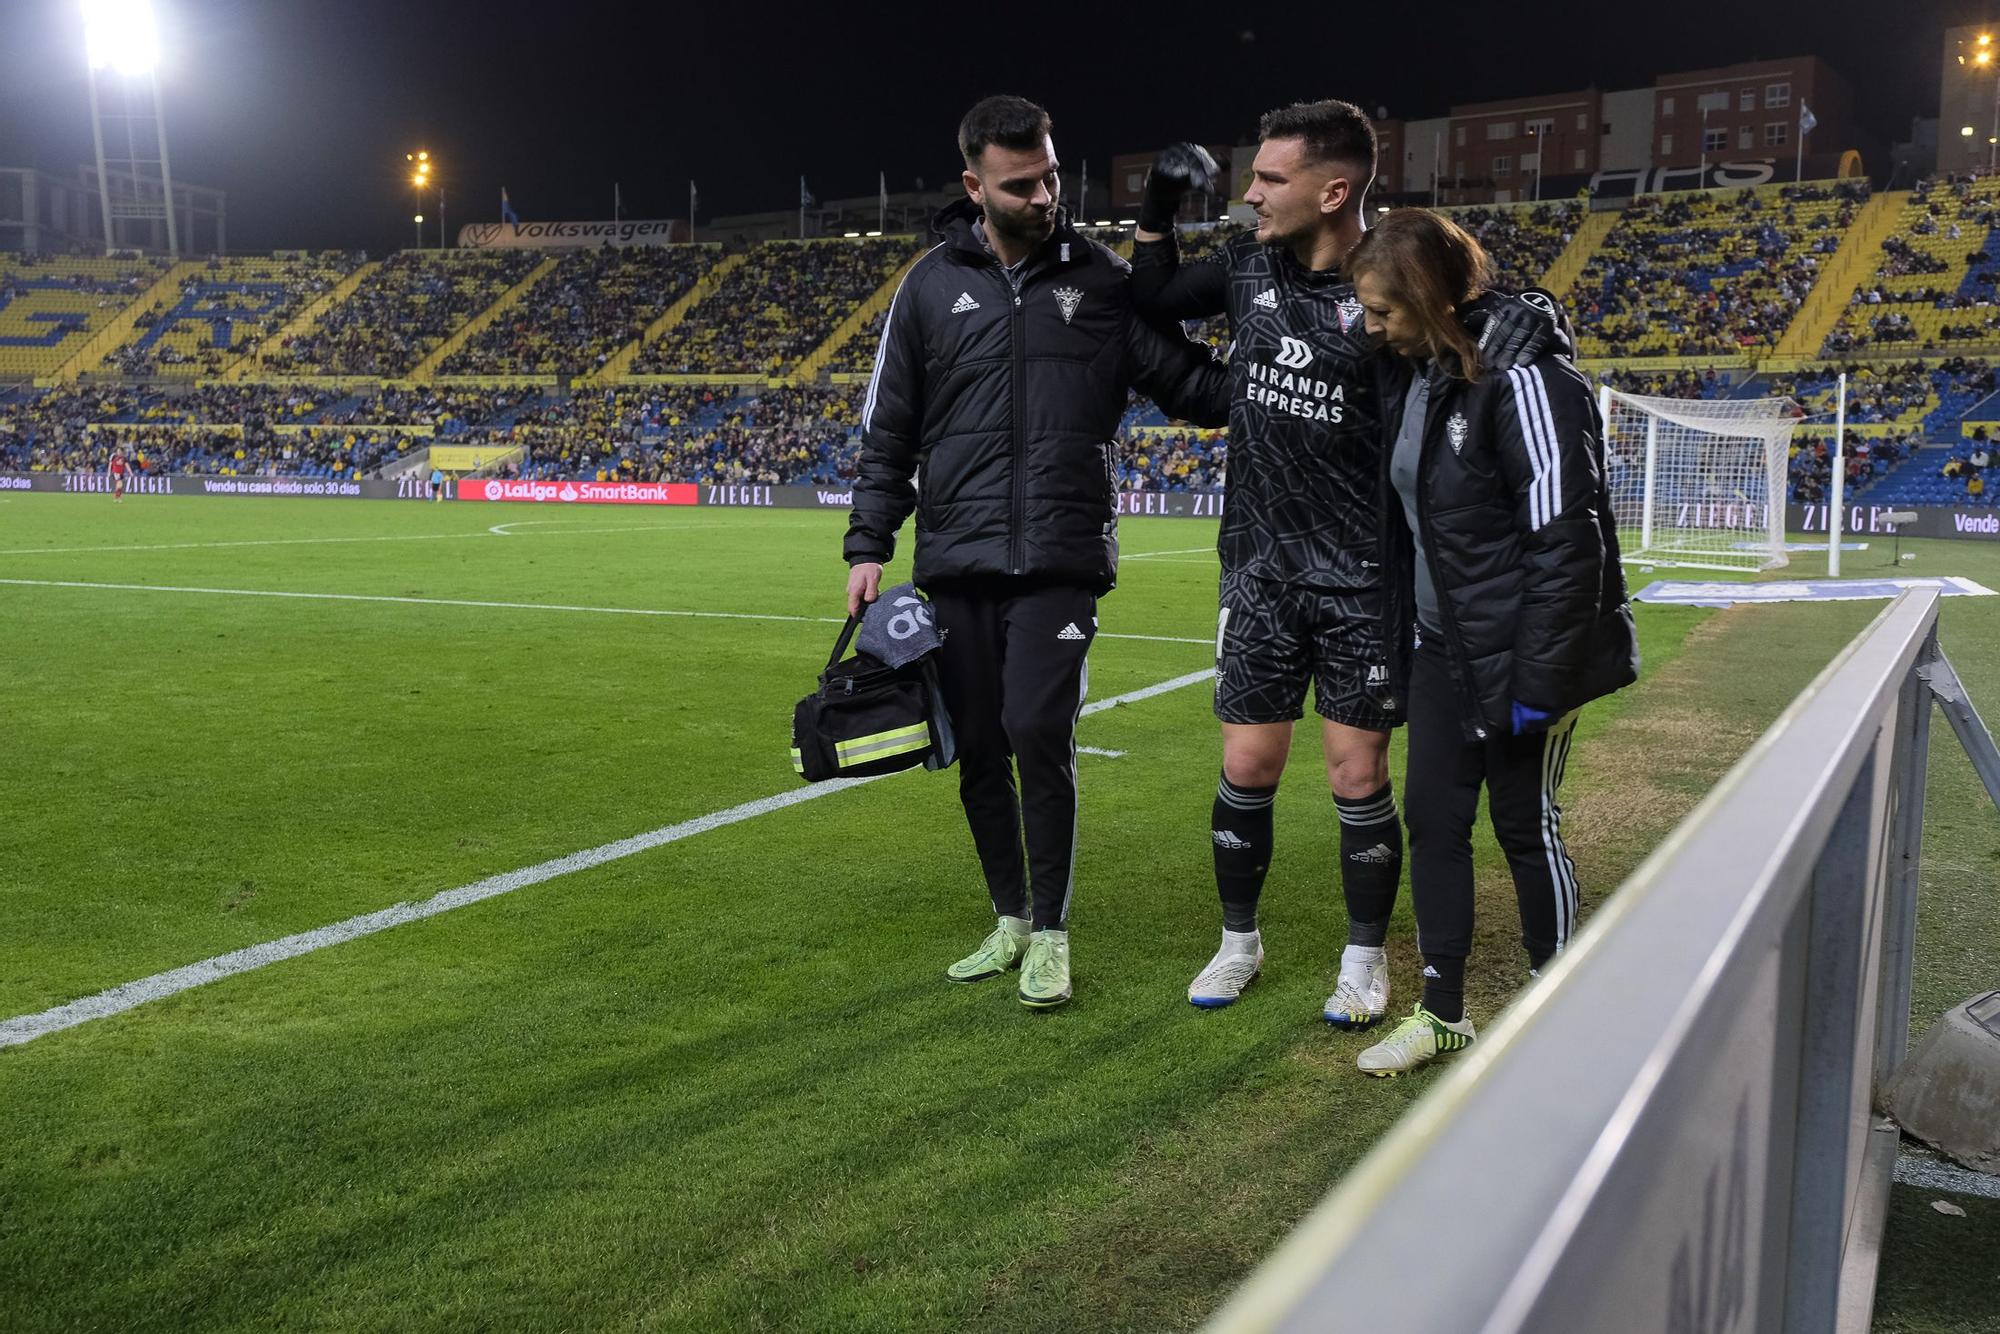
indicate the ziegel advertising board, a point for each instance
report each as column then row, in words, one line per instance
column 1178, row 504
column 1862, row 521
column 143, row 484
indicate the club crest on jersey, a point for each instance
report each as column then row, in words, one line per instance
column 1350, row 314
column 1456, row 427
column 1266, row 299
column 1067, row 298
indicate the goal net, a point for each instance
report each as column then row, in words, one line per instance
column 1699, row 482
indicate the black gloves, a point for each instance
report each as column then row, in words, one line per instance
column 1178, row 169
column 1522, row 327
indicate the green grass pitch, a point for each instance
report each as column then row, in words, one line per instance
column 719, row 1084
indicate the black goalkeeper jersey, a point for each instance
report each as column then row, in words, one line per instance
column 1310, row 392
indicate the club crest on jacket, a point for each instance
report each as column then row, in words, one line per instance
column 1455, row 426
column 1067, row 298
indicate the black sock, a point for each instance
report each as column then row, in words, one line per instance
column 1240, row 826
column 1371, row 862
column 1444, row 988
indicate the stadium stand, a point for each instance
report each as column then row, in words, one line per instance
column 1933, row 288
column 1173, row 460
column 1711, row 273
column 582, row 311
column 776, row 308
column 1524, row 240
column 1700, row 277
column 779, row 436
column 51, row 305
column 224, row 311
column 1709, row 383
column 857, row 354
column 400, row 313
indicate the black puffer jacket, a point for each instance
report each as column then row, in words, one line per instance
column 1517, row 526
column 1009, row 405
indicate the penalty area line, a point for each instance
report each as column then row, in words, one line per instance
column 130, row 995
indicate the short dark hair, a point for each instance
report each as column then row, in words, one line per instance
column 1334, row 131
column 1011, row 122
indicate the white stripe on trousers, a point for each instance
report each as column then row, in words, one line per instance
column 1075, row 797
column 1562, row 872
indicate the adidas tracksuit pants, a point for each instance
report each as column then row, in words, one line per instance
column 1441, row 799
column 1014, row 668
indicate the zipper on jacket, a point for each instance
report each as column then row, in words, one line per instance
column 1454, row 644
column 1017, row 375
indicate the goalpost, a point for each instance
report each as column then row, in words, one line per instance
column 1700, row 482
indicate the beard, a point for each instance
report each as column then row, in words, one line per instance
column 1030, row 227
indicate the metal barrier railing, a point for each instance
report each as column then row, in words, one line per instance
column 1675, row 1128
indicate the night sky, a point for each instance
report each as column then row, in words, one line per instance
column 302, row 109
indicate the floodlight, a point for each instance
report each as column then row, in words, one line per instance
column 423, row 157
column 120, row 35
column 1965, row 130
column 845, row 234
column 1986, row 39
column 874, row 233
column 419, row 217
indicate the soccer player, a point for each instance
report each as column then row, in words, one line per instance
column 117, row 471
column 1001, row 376
column 1504, row 607
column 1298, row 542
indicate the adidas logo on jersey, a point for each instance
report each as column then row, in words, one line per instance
column 1267, row 299
column 1378, row 854
column 1225, row 839
column 963, row 304
column 1070, row 632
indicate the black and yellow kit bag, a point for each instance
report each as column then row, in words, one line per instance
column 870, row 718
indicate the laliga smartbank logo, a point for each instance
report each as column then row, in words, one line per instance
column 582, row 493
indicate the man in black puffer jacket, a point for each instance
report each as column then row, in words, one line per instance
column 1002, row 373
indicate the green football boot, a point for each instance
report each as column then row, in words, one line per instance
column 1000, row 951
column 1045, row 971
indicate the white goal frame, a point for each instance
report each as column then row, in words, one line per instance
column 1701, row 482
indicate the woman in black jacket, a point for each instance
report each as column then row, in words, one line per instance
column 1504, row 605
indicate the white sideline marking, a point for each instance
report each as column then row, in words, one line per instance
column 425, row 602
column 330, row 541
column 28, row 1027
column 1183, row 551
column 509, row 606
column 1107, row 754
